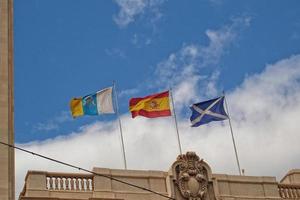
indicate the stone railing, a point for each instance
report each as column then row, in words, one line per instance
column 71, row 182
column 289, row 191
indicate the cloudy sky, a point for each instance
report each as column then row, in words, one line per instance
column 66, row 49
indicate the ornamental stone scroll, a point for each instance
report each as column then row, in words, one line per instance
column 190, row 177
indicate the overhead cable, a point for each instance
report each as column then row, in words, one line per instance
column 86, row 170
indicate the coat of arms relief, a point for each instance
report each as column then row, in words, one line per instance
column 191, row 176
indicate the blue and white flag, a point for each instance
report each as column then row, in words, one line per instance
column 93, row 104
column 207, row 111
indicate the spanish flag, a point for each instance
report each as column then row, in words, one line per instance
column 155, row 105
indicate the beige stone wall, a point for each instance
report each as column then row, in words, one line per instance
column 43, row 185
column 292, row 177
column 223, row 187
column 153, row 180
column 6, row 100
column 189, row 178
column 245, row 187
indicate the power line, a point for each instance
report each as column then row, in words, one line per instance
column 85, row 170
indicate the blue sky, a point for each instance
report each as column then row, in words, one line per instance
column 250, row 49
column 79, row 47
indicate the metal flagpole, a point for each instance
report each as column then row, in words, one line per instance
column 120, row 126
column 233, row 141
column 178, row 139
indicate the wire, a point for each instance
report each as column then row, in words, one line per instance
column 85, row 170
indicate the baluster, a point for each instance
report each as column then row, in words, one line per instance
column 61, row 186
column 295, row 192
column 293, row 189
column 71, row 183
column 285, row 193
column 58, row 183
column 282, row 194
column 298, row 192
column 77, row 184
column 84, row 184
column 62, row 181
column 289, row 193
column 289, row 190
column 80, row 184
column 53, row 183
column 48, row 183
column 74, row 183
column 279, row 191
column 67, row 184
column 90, row 184
column 292, row 192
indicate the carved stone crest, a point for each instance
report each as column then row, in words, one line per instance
column 191, row 176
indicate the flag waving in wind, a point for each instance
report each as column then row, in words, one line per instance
column 155, row 105
column 93, row 104
column 207, row 111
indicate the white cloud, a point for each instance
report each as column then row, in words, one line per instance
column 182, row 70
column 265, row 109
column 130, row 9
column 53, row 124
column 211, row 88
column 265, row 112
column 48, row 126
column 128, row 92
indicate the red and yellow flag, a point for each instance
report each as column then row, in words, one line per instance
column 155, row 105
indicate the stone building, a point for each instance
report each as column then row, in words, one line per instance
column 189, row 178
column 7, row 169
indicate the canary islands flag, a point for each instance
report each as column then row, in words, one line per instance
column 155, row 105
column 207, row 111
column 93, row 104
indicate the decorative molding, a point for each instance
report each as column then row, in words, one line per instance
column 192, row 176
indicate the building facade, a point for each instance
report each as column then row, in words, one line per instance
column 7, row 182
column 189, row 178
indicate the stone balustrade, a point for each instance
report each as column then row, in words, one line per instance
column 80, row 186
column 52, row 185
column 289, row 191
column 71, row 182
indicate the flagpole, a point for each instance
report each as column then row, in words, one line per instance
column 178, row 138
column 233, row 141
column 120, row 126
